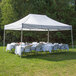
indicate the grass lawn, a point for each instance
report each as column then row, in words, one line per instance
column 54, row 64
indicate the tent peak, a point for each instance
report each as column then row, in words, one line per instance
column 37, row 14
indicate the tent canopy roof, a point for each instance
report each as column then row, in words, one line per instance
column 37, row 22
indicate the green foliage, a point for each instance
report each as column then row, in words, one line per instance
column 8, row 13
column 60, row 10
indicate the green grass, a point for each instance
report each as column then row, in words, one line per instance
column 55, row 64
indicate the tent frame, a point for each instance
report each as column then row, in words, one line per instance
column 47, row 37
column 21, row 35
column 35, row 22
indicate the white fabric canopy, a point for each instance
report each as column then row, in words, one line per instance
column 37, row 22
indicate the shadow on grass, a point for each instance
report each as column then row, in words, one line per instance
column 60, row 56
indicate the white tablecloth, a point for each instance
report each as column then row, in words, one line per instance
column 10, row 46
column 19, row 49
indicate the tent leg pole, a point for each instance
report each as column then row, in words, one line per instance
column 48, row 36
column 4, row 40
column 72, row 38
column 21, row 35
column 21, row 39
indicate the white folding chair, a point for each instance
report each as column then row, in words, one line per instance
column 56, row 47
column 66, row 47
column 27, row 48
column 39, row 47
column 47, row 47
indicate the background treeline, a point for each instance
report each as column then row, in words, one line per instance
column 60, row 10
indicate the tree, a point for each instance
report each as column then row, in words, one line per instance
column 8, row 13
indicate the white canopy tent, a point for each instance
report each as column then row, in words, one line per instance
column 36, row 22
